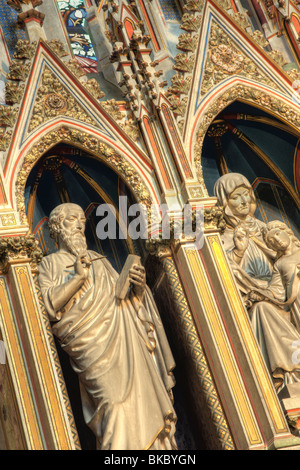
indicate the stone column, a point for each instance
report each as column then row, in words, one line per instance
column 38, row 414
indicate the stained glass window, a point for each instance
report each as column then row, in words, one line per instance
column 74, row 16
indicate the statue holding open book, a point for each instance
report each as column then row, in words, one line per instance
column 110, row 327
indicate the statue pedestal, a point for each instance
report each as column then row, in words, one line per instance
column 290, row 400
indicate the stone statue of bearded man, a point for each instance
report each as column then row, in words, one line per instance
column 118, row 348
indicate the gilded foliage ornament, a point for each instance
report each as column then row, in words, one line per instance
column 18, row 248
column 5, row 138
column 18, row 70
column 8, row 115
column 225, row 59
column 93, row 88
column 187, row 42
column 191, row 22
column 184, row 62
column 52, row 100
column 57, row 47
column 260, row 38
column 24, row 49
column 180, row 84
column 113, row 109
column 13, row 92
column 277, row 57
column 194, row 5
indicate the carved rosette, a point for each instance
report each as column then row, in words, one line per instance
column 52, row 100
column 225, row 59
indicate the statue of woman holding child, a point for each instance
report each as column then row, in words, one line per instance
column 265, row 259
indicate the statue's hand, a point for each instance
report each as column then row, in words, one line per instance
column 137, row 276
column 82, row 266
column 255, row 296
column 241, row 240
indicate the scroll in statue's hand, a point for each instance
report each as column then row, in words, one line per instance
column 137, row 276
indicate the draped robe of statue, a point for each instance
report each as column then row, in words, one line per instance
column 258, row 258
column 276, row 321
column 276, row 326
column 121, row 355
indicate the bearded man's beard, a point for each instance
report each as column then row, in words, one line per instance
column 75, row 242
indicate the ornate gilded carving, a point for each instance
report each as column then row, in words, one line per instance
column 194, row 5
column 5, row 138
column 75, row 68
column 180, row 85
column 191, row 22
column 57, row 47
column 187, row 42
column 18, row 70
column 93, row 88
column 8, row 115
column 225, row 4
column 214, row 219
column 13, row 92
column 131, row 129
column 260, row 38
column 184, row 62
column 8, row 219
column 225, row 59
column 90, row 143
column 241, row 20
column 178, row 104
column 113, row 108
column 277, row 57
column 19, row 248
column 53, row 99
column 24, row 49
column 124, row 118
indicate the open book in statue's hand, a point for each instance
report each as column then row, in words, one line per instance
column 123, row 283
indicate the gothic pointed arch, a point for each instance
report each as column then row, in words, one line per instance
column 256, row 133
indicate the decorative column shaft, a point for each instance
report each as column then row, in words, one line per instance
column 41, row 402
column 207, row 396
